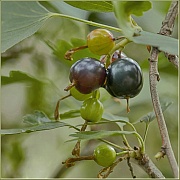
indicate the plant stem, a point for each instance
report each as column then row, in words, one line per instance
column 118, row 46
column 121, row 153
column 85, row 21
column 166, row 29
column 112, row 144
column 146, row 131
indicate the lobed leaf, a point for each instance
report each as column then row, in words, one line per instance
column 37, row 117
column 89, row 135
column 38, row 121
column 123, row 11
column 151, row 115
column 20, row 19
column 96, row 6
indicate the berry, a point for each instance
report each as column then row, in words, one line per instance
column 104, row 155
column 79, row 96
column 87, row 75
column 92, row 110
column 124, row 78
column 100, row 41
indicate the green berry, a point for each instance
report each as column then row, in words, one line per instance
column 79, row 96
column 104, row 155
column 100, row 41
column 92, row 110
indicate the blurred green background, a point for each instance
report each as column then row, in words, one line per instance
column 40, row 154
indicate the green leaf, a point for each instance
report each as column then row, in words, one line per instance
column 37, row 117
column 38, row 121
column 70, row 114
column 119, row 120
column 96, row 6
column 20, row 19
column 19, row 76
column 34, row 128
column 88, row 135
column 62, row 46
column 164, row 43
column 151, row 115
column 136, row 7
column 123, row 11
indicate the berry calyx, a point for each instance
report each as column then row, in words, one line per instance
column 87, row 75
column 104, row 155
column 100, row 41
column 92, row 110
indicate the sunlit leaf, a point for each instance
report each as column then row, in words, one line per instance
column 96, row 6
column 164, row 43
column 88, row 135
column 123, row 11
column 19, row 76
column 20, row 19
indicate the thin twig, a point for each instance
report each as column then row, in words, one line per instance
column 130, row 167
column 76, row 149
column 173, row 59
column 166, row 29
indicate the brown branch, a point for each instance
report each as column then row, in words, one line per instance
column 166, row 29
column 148, row 166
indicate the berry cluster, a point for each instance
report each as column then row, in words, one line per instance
column 121, row 77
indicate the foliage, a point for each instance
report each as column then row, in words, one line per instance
column 35, row 79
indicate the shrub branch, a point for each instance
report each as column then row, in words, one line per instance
column 166, row 29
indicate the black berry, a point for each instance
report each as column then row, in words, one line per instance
column 124, row 78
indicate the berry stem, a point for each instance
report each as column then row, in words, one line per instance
column 70, row 86
column 118, row 46
column 122, row 153
column 96, row 94
column 56, row 112
column 69, row 53
column 112, row 144
column 146, row 130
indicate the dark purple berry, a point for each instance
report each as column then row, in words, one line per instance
column 87, row 75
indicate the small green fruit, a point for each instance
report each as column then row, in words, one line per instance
column 104, row 155
column 100, row 41
column 92, row 110
column 79, row 96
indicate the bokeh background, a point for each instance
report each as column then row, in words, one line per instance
column 40, row 154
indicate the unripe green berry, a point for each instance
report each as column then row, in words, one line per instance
column 100, row 41
column 104, row 155
column 92, row 110
column 79, row 96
